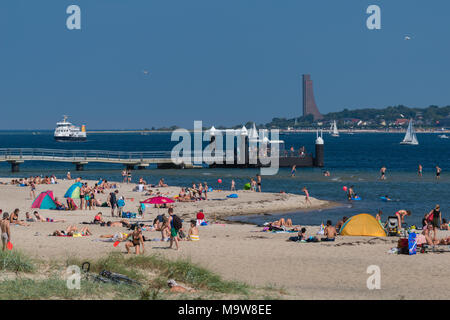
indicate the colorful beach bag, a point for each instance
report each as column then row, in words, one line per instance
column 412, row 243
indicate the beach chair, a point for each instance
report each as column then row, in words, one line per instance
column 392, row 226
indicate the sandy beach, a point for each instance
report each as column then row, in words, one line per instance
column 243, row 252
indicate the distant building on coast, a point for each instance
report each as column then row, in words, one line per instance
column 309, row 103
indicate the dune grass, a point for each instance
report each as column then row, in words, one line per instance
column 16, row 261
column 56, row 288
column 180, row 270
column 151, row 271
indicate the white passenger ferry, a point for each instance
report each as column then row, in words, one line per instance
column 65, row 131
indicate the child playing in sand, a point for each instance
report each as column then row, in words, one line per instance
column 193, row 232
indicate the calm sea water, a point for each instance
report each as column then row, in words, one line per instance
column 351, row 159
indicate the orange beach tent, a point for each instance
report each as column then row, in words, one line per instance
column 362, row 225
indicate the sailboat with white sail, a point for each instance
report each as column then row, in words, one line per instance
column 410, row 136
column 334, row 130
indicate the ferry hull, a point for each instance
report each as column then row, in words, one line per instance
column 68, row 139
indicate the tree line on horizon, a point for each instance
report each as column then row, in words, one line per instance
column 432, row 116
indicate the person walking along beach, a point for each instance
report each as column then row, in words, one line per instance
column 174, row 227
column 307, row 200
column 32, row 189
column 112, row 200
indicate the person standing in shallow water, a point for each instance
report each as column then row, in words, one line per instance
column 294, row 170
column 350, row 193
column 233, row 185
column 419, row 170
column 438, row 172
column 383, row 173
column 258, row 182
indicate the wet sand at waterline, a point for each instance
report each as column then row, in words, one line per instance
column 242, row 252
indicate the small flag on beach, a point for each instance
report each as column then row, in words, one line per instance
column 9, row 245
column 322, row 229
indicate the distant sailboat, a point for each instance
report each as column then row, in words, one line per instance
column 410, row 136
column 335, row 132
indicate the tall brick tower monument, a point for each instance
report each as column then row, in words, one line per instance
column 309, row 103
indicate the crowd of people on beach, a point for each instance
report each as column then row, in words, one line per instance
column 431, row 223
column 170, row 226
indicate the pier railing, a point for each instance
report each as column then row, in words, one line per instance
column 77, row 155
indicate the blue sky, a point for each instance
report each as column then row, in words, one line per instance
column 220, row 61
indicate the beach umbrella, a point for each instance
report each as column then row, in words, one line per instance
column 44, row 200
column 158, row 200
column 74, row 191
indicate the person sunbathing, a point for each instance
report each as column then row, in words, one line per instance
column 281, row 223
column 72, row 231
column 301, row 236
column 329, row 232
column 29, row 218
column 59, row 205
column 445, row 225
column 175, row 287
column 121, row 223
column 193, row 232
column 39, row 218
column 119, row 236
column 14, row 219
column 340, row 223
column 161, row 183
column 158, row 222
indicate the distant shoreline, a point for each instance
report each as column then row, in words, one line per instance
column 281, row 131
